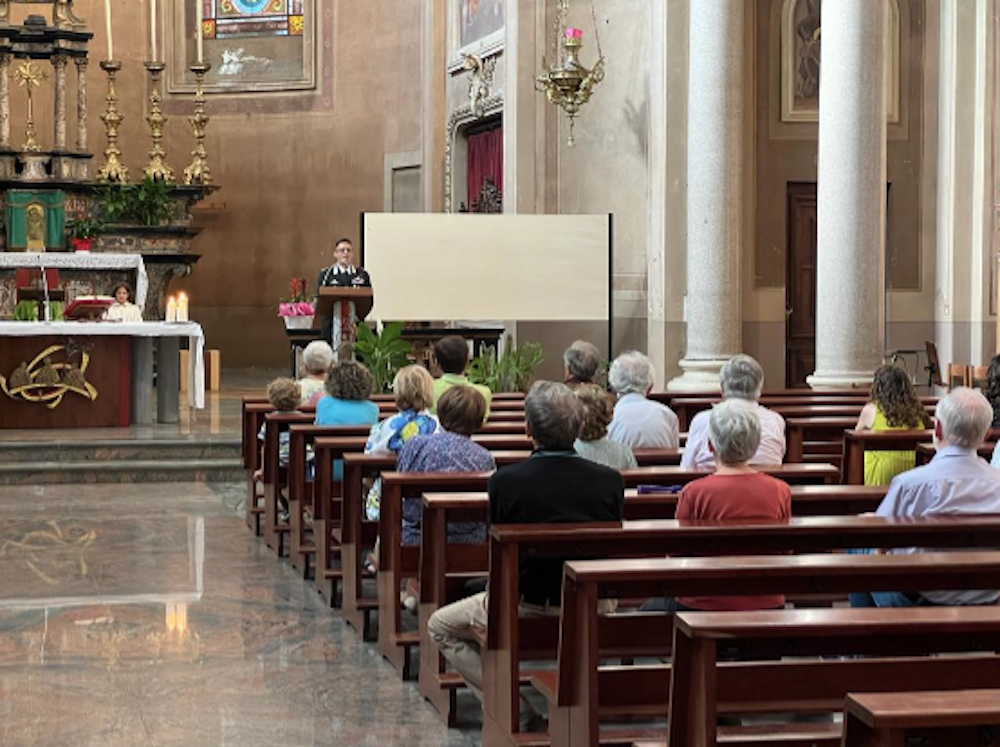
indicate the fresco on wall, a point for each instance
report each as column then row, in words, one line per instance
column 252, row 45
column 801, row 42
column 480, row 22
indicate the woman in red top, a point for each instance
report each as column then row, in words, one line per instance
column 734, row 492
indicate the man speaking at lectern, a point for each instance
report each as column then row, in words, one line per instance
column 343, row 274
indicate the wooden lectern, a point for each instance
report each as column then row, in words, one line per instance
column 346, row 307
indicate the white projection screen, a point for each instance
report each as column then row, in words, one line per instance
column 444, row 266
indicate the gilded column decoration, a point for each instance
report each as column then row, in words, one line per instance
column 157, row 168
column 5, row 60
column 113, row 170
column 198, row 172
column 59, row 63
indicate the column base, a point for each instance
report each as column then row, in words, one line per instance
column 840, row 380
column 699, row 376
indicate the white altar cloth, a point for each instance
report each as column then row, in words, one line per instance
column 191, row 330
column 83, row 261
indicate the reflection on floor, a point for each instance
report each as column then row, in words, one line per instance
column 151, row 616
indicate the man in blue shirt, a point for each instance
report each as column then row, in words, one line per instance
column 956, row 482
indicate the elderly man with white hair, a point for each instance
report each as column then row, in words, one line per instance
column 742, row 378
column 955, row 482
column 639, row 421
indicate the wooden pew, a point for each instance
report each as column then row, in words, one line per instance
column 395, row 565
column 926, row 452
column 576, row 690
column 810, row 436
column 895, row 642
column 958, row 717
column 687, row 408
column 444, row 566
column 275, row 478
column 509, row 639
column 857, row 442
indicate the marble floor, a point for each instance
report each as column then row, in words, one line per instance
column 150, row 615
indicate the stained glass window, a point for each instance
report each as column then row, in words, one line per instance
column 235, row 19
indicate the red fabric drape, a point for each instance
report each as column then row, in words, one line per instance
column 485, row 160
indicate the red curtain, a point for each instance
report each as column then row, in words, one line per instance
column 485, row 160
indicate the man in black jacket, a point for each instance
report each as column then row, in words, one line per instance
column 553, row 485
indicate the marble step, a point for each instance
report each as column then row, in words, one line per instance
column 121, row 471
column 166, row 450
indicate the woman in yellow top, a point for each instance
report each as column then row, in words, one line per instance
column 894, row 406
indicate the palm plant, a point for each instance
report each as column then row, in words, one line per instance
column 384, row 353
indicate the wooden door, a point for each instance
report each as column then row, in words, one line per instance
column 800, row 285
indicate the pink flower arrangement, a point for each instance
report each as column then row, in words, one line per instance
column 572, row 33
column 298, row 304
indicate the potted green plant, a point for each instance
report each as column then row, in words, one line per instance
column 383, row 351
column 82, row 233
column 511, row 371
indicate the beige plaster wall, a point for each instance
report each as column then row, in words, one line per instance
column 290, row 182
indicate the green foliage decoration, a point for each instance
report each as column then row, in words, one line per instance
column 26, row 311
column 146, row 203
column 512, row 371
column 383, row 353
column 85, row 228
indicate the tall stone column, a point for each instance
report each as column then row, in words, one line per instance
column 59, row 63
column 851, row 196
column 715, row 191
column 5, row 60
column 81, row 104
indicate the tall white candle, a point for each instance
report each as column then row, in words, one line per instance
column 152, row 30
column 171, row 309
column 107, row 28
column 182, row 308
column 199, row 20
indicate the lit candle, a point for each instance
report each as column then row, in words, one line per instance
column 171, row 309
column 107, row 27
column 200, row 38
column 182, row 308
column 152, row 29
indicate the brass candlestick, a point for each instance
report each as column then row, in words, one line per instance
column 198, row 172
column 113, row 170
column 157, row 168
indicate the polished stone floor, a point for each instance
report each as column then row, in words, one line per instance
column 150, row 615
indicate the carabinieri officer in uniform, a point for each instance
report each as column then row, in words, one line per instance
column 342, row 273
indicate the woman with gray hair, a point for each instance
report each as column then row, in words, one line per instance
column 735, row 492
column 639, row 421
column 580, row 361
column 317, row 359
column 742, row 379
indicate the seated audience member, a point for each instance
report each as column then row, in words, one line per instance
column 452, row 354
column 894, row 406
column 553, row 485
column 580, row 361
column 638, row 421
column 317, row 359
column 123, row 310
column 284, row 395
column 413, row 388
column 348, row 387
column 461, row 410
column 991, row 390
column 955, row 482
column 742, row 378
column 593, row 443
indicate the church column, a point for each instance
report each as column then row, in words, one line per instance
column 715, row 186
column 851, row 196
column 59, row 63
column 81, row 104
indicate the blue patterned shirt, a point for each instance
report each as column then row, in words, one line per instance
column 442, row 452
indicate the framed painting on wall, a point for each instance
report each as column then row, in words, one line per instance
column 252, row 45
column 477, row 27
column 801, row 38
